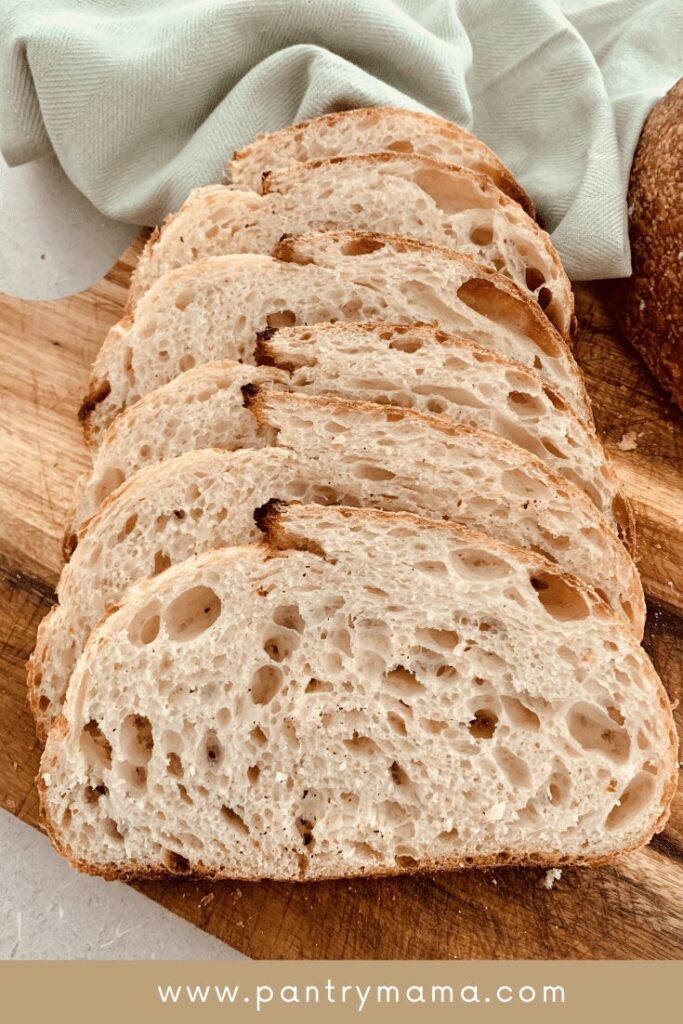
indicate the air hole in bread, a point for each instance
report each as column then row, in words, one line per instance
column 637, row 795
column 253, row 772
column 509, row 311
column 44, row 703
column 443, row 639
column 134, row 774
column 560, row 598
column 366, row 471
column 163, row 355
column 478, row 564
column 399, row 776
column 184, row 795
column 187, row 362
column 595, row 731
column 146, row 328
column 144, row 627
column 175, row 862
column 161, row 562
column 483, row 724
column 95, row 744
column 107, row 484
column 289, row 617
column 559, row 788
column 431, row 568
column 520, row 715
column 305, row 830
column 280, row 646
column 365, row 851
column 213, row 749
column 98, row 392
column 406, row 344
column 265, row 683
column 281, row 318
column 397, row 723
column 91, row 794
column 449, row 195
column 362, row 245
column 362, row 745
column 184, row 298
column 258, row 736
column 534, row 278
column 513, row 767
column 400, row 146
column 191, row 613
column 434, row 726
column 235, row 821
column 403, row 682
column 406, row 860
column 291, row 737
column 129, row 525
column 544, row 299
column 615, row 714
column 482, row 235
column 525, row 404
column 174, row 765
column 318, row 686
column 450, row 835
column 136, row 740
column 111, row 829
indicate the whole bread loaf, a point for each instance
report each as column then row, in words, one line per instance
column 321, row 706
column 649, row 305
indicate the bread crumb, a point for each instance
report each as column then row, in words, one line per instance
column 551, row 876
column 205, row 900
column 280, row 777
column 628, row 442
column 641, row 305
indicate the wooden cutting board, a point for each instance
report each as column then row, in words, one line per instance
column 631, row 910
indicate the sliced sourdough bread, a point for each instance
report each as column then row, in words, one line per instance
column 331, row 451
column 371, row 130
column 207, row 407
column 419, row 367
column 214, row 309
column 336, row 709
column 413, row 196
column 202, row 408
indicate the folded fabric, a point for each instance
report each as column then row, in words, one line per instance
column 142, row 101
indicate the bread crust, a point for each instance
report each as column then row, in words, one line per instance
column 278, row 539
column 502, row 177
column 649, row 304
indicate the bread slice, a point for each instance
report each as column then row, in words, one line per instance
column 202, row 408
column 335, row 708
column 330, row 451
column 409, row 195
column 371, row 130
column 419, row 367
column 214, row 309
column 207, row 407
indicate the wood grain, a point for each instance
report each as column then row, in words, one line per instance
column 631, row 910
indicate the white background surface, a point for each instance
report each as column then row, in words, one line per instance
column 54, row 243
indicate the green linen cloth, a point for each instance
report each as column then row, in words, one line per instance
column 143, row 101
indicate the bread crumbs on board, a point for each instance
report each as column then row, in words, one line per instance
column 628, row 442
column 551, row 876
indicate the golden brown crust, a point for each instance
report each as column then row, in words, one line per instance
column 649, row 304
column 497, row 170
